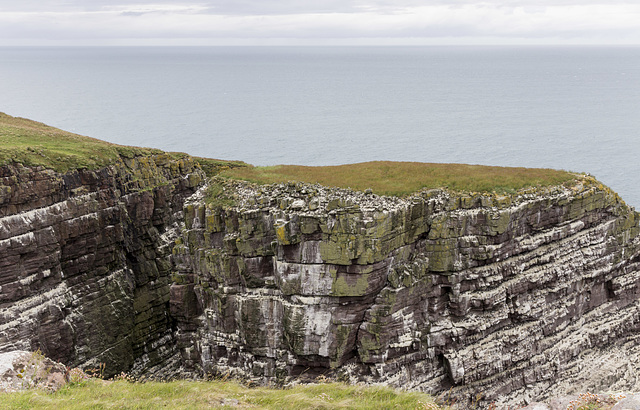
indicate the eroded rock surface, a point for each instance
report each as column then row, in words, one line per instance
column 519, row 297
column 20, row 370
column 505, row 296
column 85, row 269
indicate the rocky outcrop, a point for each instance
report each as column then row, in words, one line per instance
column 85, row 269
column 500, row 295
column 141, row 267
column 21, row 370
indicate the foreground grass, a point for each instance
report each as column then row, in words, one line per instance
column 98, row 394
column 403, row 178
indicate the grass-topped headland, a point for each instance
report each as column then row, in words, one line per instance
column 35, row 144
column 405, row 178
column 32, row 143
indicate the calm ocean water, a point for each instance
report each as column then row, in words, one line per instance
column 573, row 108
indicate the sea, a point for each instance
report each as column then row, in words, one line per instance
column 564, row 107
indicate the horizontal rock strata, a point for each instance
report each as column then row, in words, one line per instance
column 502, row 295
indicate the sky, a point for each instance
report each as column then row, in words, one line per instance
column 318, row 22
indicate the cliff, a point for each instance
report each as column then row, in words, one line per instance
column 86, row 230
column 140, row 262
column 504, row 296
column 85, row 273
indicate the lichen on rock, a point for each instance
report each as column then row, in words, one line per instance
column 85, row 269
column 434, row 291
column 145, row 265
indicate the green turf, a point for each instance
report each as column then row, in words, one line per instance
column 403, row 178
column 32, row 143
column 98, row 394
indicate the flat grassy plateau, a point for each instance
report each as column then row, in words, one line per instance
column 405, row 178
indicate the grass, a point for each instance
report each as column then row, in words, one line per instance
column 404, row 178
column 35, row 144
column 213, row 167
column 32, row 143
column 203, row 395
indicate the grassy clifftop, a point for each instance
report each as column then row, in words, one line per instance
column 403, row 178
column 33, row 143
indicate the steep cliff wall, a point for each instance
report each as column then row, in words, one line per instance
column 499, row 295
column 85, row 269
column 131, row 260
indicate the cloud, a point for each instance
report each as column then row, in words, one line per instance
column 166, row 21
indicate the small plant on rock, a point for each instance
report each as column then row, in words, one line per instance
column 590, row 401
column 77, row 376
column 124, row 377
column 97, row 372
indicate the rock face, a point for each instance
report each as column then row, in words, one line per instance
column 143, row 268
column 503, row 296
column 84, row 266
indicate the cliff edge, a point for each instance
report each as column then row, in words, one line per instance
column 509, row 296
column 86, row 231
column 139, row 261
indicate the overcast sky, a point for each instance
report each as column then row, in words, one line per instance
column 266, row 22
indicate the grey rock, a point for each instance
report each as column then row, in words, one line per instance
column 631, row 402
column 537, row 406
column 518, row 298
column 20, row 370
column 85, row 266
column 562, row 402
column 512, row 297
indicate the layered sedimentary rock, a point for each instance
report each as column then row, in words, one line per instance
column 141, row 267
column 84, row 266
column 500, row 295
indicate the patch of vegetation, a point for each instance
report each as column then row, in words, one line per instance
column 405, row 178
column 204, row 395
column 216, row 195
column 591, row 401
column 212, row 167
column 35, row 144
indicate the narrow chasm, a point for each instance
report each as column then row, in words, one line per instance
column 143, row 267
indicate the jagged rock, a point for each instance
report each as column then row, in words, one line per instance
column 85, row 269
column 519, row 297
column 436, row 292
